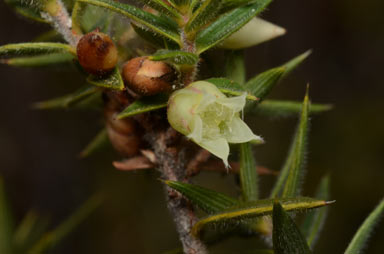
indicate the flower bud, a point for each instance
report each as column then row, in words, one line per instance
column 124, row 134
column 97, row 53
column 147, row 77
column 204, row 114
column 254, row 32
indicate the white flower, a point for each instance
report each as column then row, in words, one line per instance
column 209, row 118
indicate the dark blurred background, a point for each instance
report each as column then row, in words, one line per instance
column 39, row 149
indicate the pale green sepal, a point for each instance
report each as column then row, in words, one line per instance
column 239, row 132
column 218, row 147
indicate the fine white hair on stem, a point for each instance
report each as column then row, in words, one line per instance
column 62, row 22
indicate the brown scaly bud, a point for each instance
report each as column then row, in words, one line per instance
column 97, row 53
column 146, row 77
column 124, row 134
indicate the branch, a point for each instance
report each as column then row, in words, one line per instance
column 56, row 13
column 171, row 164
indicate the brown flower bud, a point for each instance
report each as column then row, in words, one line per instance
column 96, row 53
column 124, row 134
column 147, row 77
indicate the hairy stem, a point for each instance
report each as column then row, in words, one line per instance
column 170, row 161
column 56, row 13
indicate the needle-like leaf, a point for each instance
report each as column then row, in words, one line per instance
column 296, row 166
column 53, row 237
column 96, row 143
column 315, row 220
column 230, row 87
column 256, row 209
column 207, row 200
column 112, row 81
column 159, row 24
column 177, row 57
column 144, row 104
column 280, row 109
column 227, row 24
column 68, row 100
column 206, row 12
column 292, row 171
column 262, row 84
column 248, row 174
column 27, row 9
column 40, row 60
column 361, row 237
column 287, row 238
column 34, row 49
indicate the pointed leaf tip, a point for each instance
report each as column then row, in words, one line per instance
column 286, row 236
column 255, row 209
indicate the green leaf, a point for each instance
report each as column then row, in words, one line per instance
column 361, row 237
column 76, row 14
column 235, row 66
column 161, row 25
column 296, row 166
column 68, row 100
column 230, row 87
column 162, row 7
column 29, row 230
column 180, row 4
column 26, row 9
column 112, row 81
column 263, row 83
column 53, row 237
column 231, row 4
column 206, row 12
column 207, row 200
column 256, row 209
column 279, row 109
column 295, row 62
column 315, row 220
column 34, row 48
column 93, row 102
column 144, row 104
column 40, row 60
column 96, row 143
column 48, row 36
column 6, row 222
column 155, row 39
column 227, row 24
column 292, row 172
column 248, row 174
column 177, row 57
column 87, row 18
column 286, row 236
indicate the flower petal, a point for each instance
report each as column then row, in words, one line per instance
column 218, row 147
column 197, row 129
column 236, row 103
column 237, row 131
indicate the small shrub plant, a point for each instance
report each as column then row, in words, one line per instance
column 170, row 77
